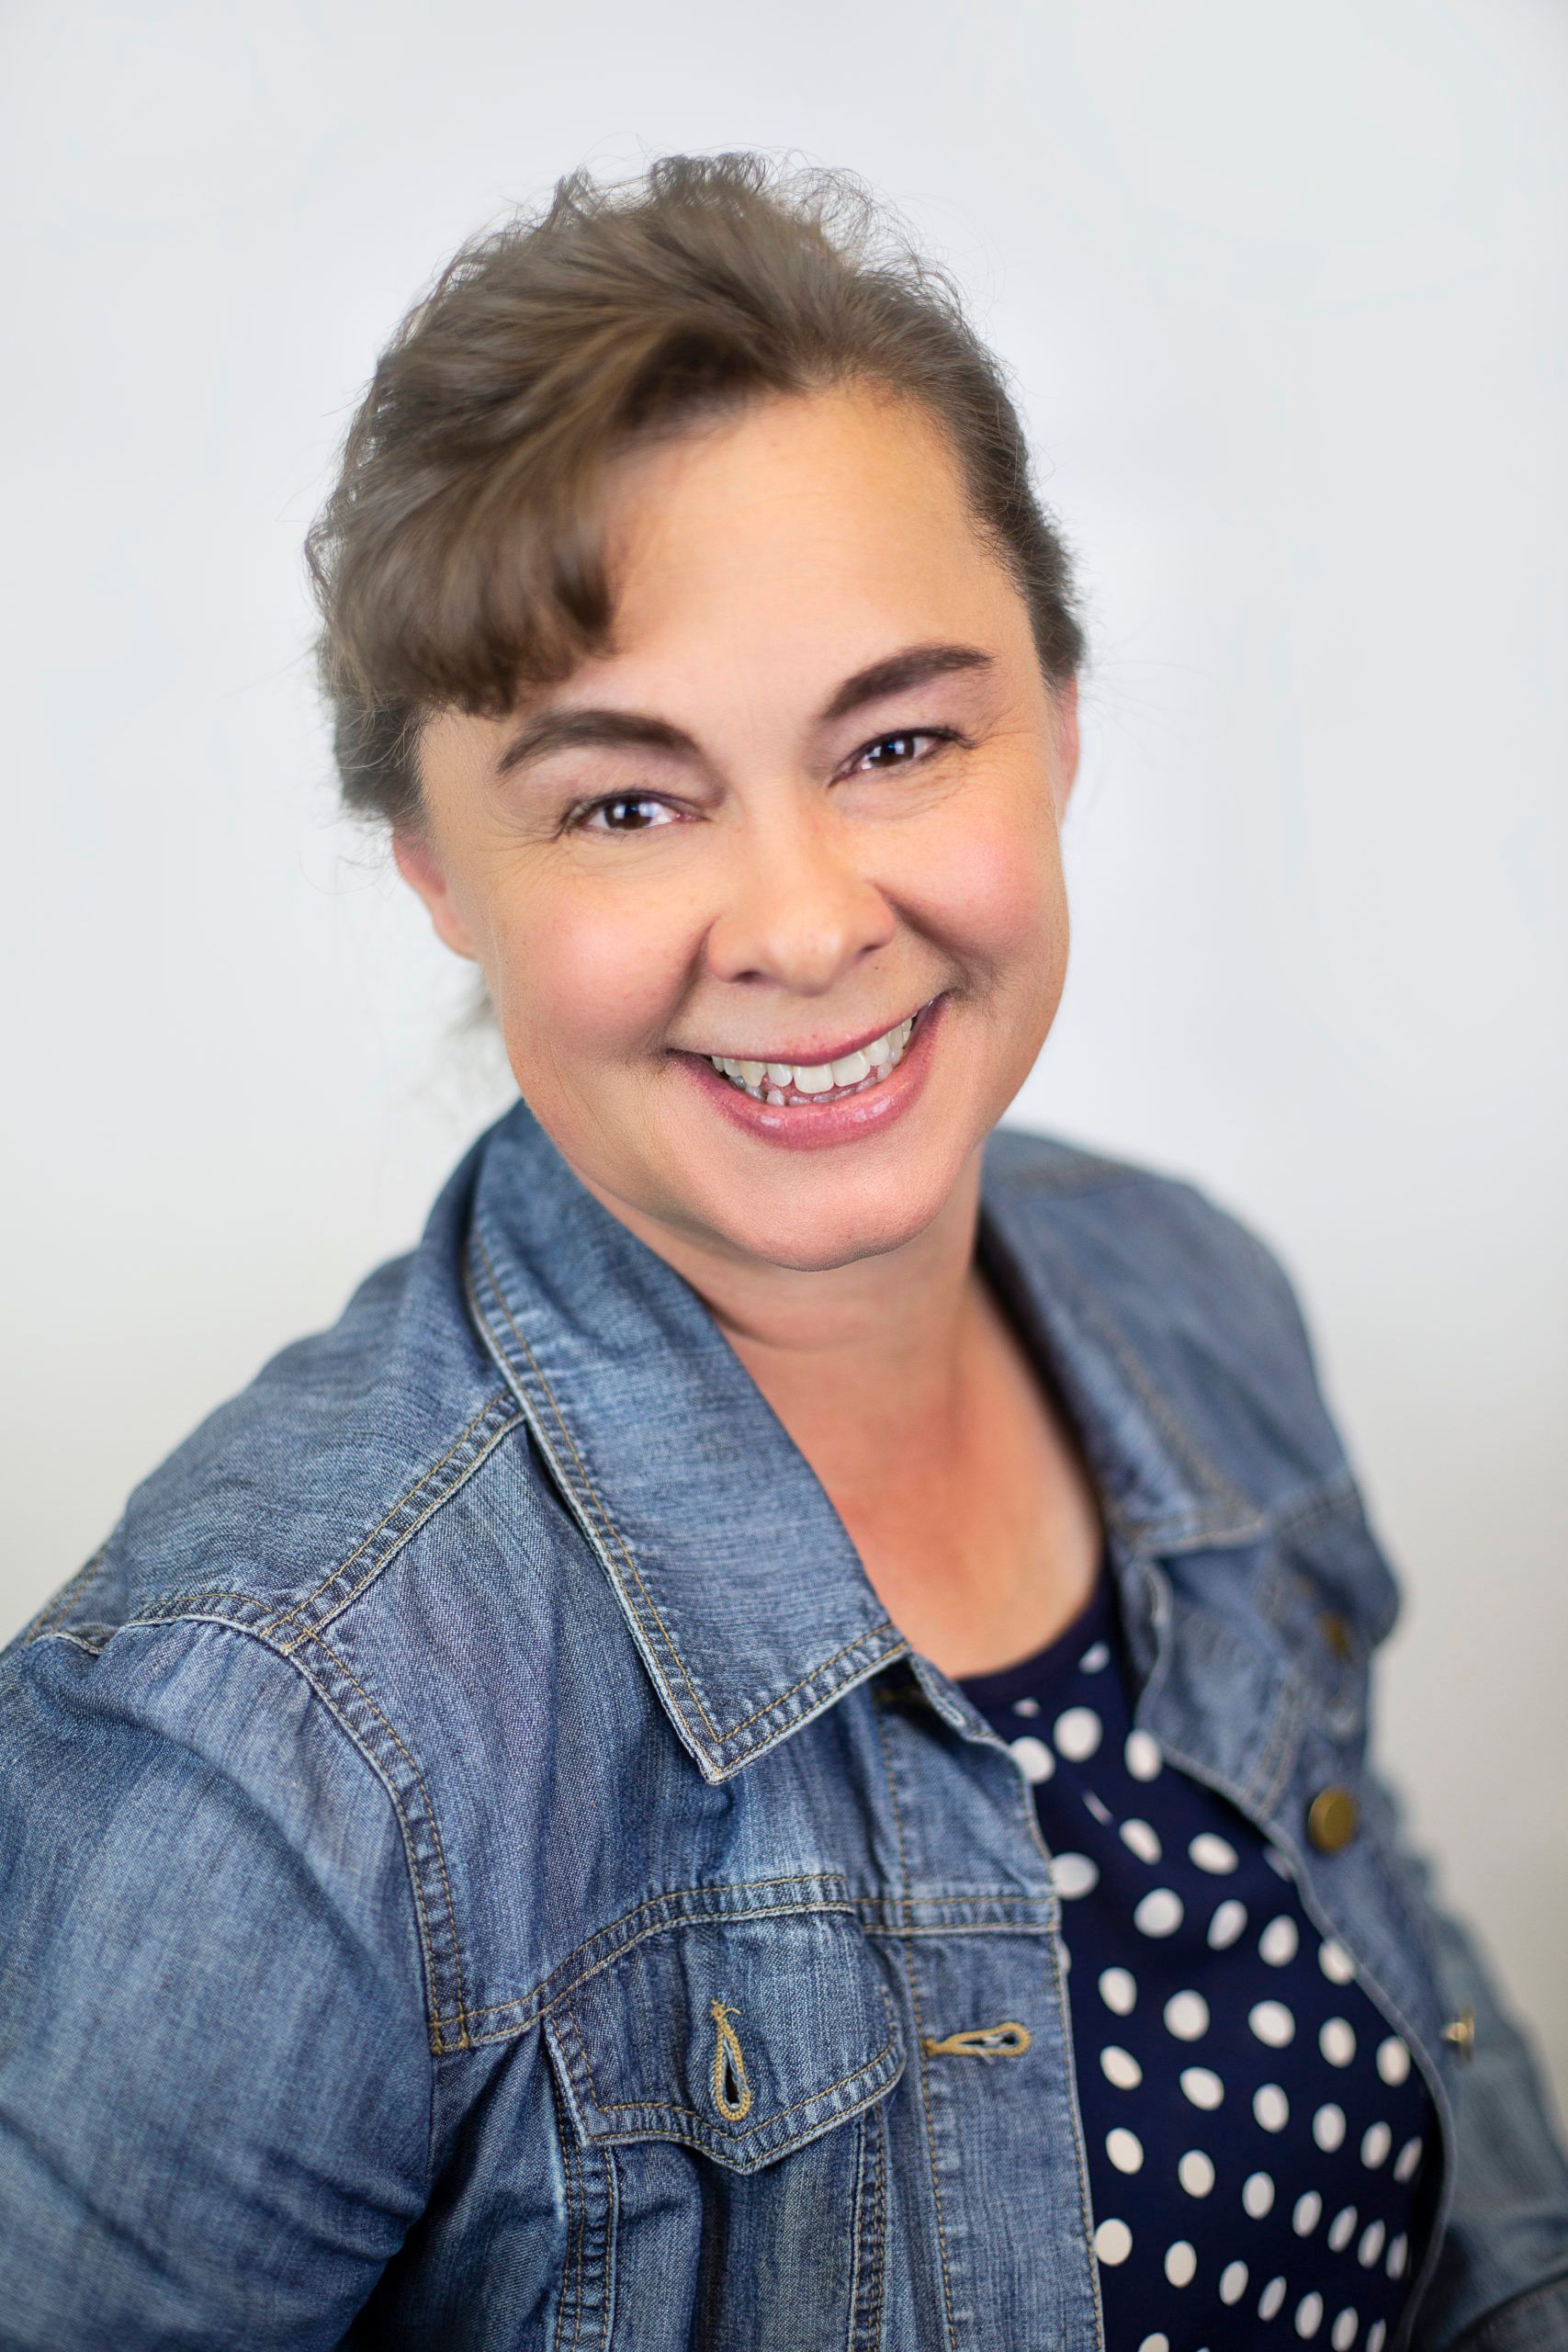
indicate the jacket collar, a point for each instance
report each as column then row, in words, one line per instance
column 744, row 1594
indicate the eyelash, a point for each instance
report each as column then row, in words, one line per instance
column 575, row 820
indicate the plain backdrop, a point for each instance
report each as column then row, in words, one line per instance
column 1282, row 291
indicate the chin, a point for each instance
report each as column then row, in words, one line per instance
column 813, row 1238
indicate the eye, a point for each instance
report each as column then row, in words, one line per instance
column 614, row 802
column 907, row 735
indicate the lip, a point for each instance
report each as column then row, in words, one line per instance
column 803, row 1126
column 819, row 1055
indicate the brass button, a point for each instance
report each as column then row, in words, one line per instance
column 1331, row 1819
column 1461, row 2030
column 1336, row 1632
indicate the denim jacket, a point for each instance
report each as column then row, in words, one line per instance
column 478, row 1868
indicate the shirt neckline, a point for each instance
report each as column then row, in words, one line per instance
column 1095, row 1619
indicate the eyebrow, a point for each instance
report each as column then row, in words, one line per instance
column 564, row 730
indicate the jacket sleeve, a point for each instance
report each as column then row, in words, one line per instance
column 214, row 2067
column 1501, row 2280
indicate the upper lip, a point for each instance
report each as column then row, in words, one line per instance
column 817, row 1055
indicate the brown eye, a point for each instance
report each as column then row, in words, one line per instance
column 908, row 736
column 613, row 805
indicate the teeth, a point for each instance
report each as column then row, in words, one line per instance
column 774, row 1082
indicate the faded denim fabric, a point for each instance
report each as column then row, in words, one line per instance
column 479, row 1868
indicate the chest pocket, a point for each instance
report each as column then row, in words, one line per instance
column 720, row 2080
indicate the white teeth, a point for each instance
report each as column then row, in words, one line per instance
column 772, row 1082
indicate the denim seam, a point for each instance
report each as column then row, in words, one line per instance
column 542, row 2001
column 576, row 2229
column 71, row 1592
column 672, row 2107
column 920, row 2042
column 286, row 1650
column 599, row 1508
column 476, row 1449
column 865, row 2314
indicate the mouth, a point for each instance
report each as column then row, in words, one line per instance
column 790, row 1083
column 848, row 1100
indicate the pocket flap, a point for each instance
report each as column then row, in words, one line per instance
column 741, row 2037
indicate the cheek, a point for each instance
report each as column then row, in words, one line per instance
column 996, row 887
column 583, row 974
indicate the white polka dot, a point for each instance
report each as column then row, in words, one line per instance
column 1155, row 2344
column 1371, row 2246
column 1113, row 2242
column 1334, row 1962
column 1257, row 2194
column 1307, row 2213
column 1075, row 1875
column 1180, row 2262
column 1393, row 2059
column 1270, row 2106
column 1277, row 1862
column 1394, row 2266
column 1375, row 2334
column 1203, row 2086
column 1407, row 2159
column 1342, row 2228
column 1117, row 1990
column 1212, row 1853
column 1232, row 2282
column 1227, row 1923
column 1159, row 1913
column 1376, row 2142
column 1278, row 1942
column 1026, row 1706
column 1120, row 2066
column 1336, row 2040
column 1076, row 1735
column 1097, row 1655
column 1187, row 2016
column 1271, row 2022
column 1100, row 1811
column 1269, row 2301
column 1343, row 2334
column 1035, row 1756
column 1142, row 1757
column 1124, row 2149
column 1309, row 2314
column 1196, row 2173
column 1066, row 1958
column 1142, row 1839
column 1328, row 2127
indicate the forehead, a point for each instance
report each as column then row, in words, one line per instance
column 832, row 511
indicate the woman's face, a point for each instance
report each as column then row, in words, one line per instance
column 758, row 848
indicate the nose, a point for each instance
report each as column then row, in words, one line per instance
column 795, row 905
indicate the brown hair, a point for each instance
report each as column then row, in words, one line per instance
column 457, row 559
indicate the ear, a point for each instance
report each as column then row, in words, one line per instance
column 1066, row 702
column 419, row 863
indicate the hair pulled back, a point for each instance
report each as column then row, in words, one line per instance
column 457, row 561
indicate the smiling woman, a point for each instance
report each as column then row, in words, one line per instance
column 767, row 1745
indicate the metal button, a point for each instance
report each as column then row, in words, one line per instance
column 1461, row 2030
column 1336, row 1632
column 1332, row 1817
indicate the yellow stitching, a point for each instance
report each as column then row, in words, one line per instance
column 1007, row 2041
column 430, row 1809
column 671, row 2106
column 728, row 2066
column 881, row 1722
column 719, row 1739
column 604, row 1516
column 423, row 1480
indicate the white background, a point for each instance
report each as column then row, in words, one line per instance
column 1283, row 291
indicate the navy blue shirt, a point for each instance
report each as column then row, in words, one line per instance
column 1258, row 2140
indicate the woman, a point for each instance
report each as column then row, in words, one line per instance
column 766, row 1744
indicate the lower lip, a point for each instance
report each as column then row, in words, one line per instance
column 808, row 1127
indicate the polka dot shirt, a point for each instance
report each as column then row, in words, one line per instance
column 1260, row 2145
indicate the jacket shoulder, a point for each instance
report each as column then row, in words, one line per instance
column 292, row 1495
